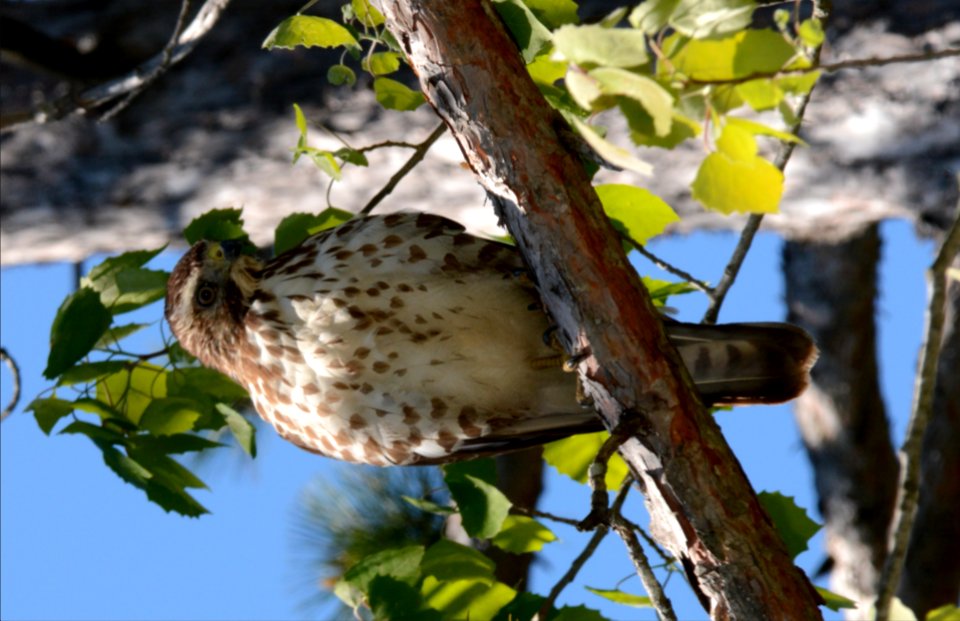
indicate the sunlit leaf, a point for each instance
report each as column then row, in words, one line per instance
column 728, row 185
column 653, row 97
column 396, row 96
column 89, row 371
column 368, row 14
column 310, row 31
column 80, row 322
column 760, row 94
column 651, row 16
column 593, row 45
column 811, row 32
column 760, row 129
column 521, row 534
column 574, row 455
column 242, row 429
column 584, row 89
column 835, row 602
column 554, row 13
column 529, row 34
column 382, row 63
column 469, row 600
column 609, row 151
column 545, row 70
column 701, row 19
column 627, row 599
column 429, row 506
column 637, row 212
column 743, row 54
column 131, row 390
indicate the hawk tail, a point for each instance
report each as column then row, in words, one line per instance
column 741, row 363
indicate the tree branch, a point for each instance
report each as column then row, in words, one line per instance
column 15, row 372
column 853, row 63
column 702, row 507
column 910, row 452
column 180, row 45
column 571, row 573
column 419, row 152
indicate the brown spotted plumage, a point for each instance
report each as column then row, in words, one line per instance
column 401, row 339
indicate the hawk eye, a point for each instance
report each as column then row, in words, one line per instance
column 206, row 295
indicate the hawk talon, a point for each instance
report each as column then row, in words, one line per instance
column 574, row 361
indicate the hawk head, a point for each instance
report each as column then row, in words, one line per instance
column 208, row 295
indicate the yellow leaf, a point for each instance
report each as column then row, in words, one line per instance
column 728, row 185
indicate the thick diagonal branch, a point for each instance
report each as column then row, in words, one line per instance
column 702, row 506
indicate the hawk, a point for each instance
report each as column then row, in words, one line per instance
column 401, row 339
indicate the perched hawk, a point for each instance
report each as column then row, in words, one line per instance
column 401, row 339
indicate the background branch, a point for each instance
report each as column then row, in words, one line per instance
column 910, row 452
column 418, row 153
column 15, row 371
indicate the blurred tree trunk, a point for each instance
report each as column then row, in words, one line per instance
column 831, row 289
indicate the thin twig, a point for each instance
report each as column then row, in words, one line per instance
column 853, row 63
column 670, row 268
column 418, row 154
column 571, row 573
column 909, row 489
column 15, row 371
column 547, row 516
column 137, row 79
column 167, row 55
column 624, row 528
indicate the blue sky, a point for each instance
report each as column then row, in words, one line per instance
column 78, row 543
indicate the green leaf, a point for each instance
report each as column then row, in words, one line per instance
column 578, row 613
column 126, row 468
column 89, row 371
column 242, row 429
column 833, row 601
column 400, row 563
column 760, row 94
column 544, row 70
column 429, row 506
column 792, row 522
column 114, row 335
column 811, row 32
column 300, row 119
column 216, row 225
column 700, row 19
column 593, row 45
column 366, row 13
column 483, row 469
column 469, row 600
column 760, row 129
column 395, row 96
column 136, row 288
column 530, row 35
column 188, row 382
column 106, row 271
column 80, row 322
column 310, row 31
column 743, row 54
column 169, row 415
column 521, row 534
column 572, row 456
column 95, row 406
column 609, row 151
column 627, row 599
column 554, row 13
column 100, row 435
column 584, row 89
column 131, row 390
column 169, row 481
column 660, row 290
column 323, row 160
column 394, row 600
column 654, row 98
column 638, row 213
column 48, row 412
column 651, row 16
column 296, row 227
column 482, row 506
column 341, row 74
column 737, row 143
column 448, row 560
column 176, row 443
column 643, row 132
column 727, row 185
column 947, row 612
column 381, row 63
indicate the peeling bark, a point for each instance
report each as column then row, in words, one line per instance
column 702, row 506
